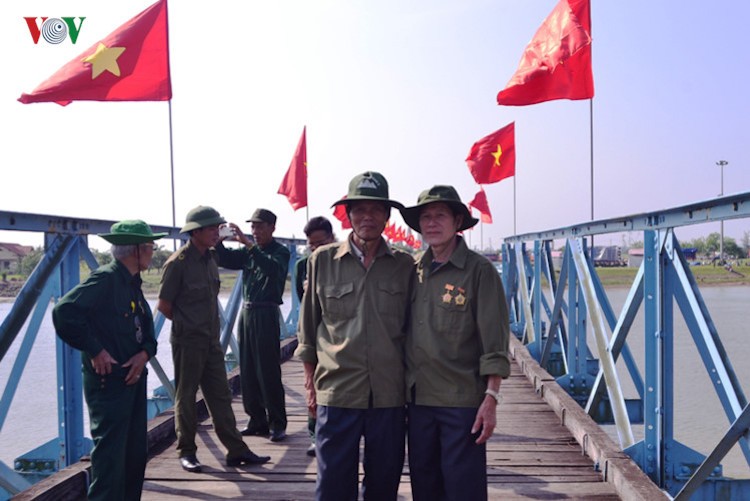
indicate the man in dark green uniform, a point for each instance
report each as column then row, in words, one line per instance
column 189, row 298
column 107, row 318
column 265, row 264
column 318, row 231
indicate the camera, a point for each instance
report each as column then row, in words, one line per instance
column 226, row 232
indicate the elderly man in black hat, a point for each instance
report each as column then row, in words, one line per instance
column 189, row 298
column 456, row 353
column 265, row 263
column 107, row 318
column 351, row 341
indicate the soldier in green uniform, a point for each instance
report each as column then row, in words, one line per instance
column 107, row 318
column 189, row 298
column 265, row 264
column 456, row 353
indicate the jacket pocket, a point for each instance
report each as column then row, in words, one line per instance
column 339, row 301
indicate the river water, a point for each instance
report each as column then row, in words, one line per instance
column 699, row 423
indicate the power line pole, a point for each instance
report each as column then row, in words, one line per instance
column 721, row 164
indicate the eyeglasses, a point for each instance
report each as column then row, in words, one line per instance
column 152, row 247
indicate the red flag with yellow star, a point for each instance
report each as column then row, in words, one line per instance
column 557, row 62
column 493, row 157
column 294, row 184
column 130, row 64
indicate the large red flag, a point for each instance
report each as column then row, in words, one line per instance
column 493, row 157
column 294, row 184
column 130, row 64
column 340, row 213
column 557, row 62
column 480, row 203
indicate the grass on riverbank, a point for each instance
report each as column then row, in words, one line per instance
column 704, row 275
column 610, row 277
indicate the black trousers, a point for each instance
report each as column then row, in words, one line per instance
column 260, row 367
column 444, row 461
column 337, row 436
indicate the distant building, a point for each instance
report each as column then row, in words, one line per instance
column 11, row 256
column 635, row 257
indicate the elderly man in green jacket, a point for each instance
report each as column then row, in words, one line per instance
column 109, row 320
column 351, row 340
column 456, row 353
column 265, row 263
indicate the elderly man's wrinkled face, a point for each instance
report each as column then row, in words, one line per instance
column 145, row 255
column 262, row 232
column 207, row 236
column 438, row 223
column 368, row 219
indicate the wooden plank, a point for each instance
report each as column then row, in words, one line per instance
column 535, row 453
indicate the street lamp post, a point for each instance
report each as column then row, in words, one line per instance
column 721, row 164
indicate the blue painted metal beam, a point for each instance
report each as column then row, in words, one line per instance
column 717, row 209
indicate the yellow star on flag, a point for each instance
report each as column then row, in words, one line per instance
column 104, row 59
column 497, row 155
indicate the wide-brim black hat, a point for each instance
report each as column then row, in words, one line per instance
column 368, row 186
column 439, row 193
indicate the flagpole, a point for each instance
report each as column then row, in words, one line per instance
column 591, row 141
column 515, row 232
column 171, row 172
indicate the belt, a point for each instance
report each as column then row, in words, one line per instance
column 251, row 305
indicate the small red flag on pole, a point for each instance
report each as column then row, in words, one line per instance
column 130, row 64
column 557, row 62
column 481, row 204
column 493, row 157
column 294, row 184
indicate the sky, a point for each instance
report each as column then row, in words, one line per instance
column 399, row 87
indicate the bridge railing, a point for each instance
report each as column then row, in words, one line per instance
column 66, row 246
column 561, row 313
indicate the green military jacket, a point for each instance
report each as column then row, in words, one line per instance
column 265, row 270
column 353, row 325
column 106, row 311
column 458, row 331
column 190, row 281
column 300, row 275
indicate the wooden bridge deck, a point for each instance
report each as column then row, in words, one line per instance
column 531, row 455
column 544, row 447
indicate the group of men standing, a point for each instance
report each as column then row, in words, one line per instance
column 391, row 348
column 400, row 349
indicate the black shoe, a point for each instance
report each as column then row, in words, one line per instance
column 311, row 450
column 258, row 431
column 278, row 435
column 191, row 464
column 247, row 457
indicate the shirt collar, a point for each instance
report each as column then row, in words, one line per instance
column 457, row 259
column 348, row 247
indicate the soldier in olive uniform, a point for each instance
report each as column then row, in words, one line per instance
column 107, row 318
column 351, row 339
column 265, row 264
column 189, row 297
column 456, row 353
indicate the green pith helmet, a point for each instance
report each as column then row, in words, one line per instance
column 368, row 186
column 201, row 216
column 439, row 193
column 131, row 232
